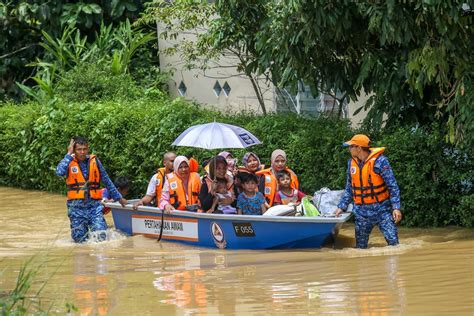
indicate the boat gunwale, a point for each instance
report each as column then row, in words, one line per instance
column 229, row 217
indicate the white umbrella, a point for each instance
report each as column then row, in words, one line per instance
column 216, row 135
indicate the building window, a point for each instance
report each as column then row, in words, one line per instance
column 217, row 88
column 226, row 89
column 182, row 88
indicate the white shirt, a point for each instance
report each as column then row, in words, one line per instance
column 151, row 190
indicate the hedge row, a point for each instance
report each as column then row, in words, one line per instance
column 131, row 137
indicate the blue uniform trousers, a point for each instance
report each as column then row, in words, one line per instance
column 370, row 215
column 85, row 218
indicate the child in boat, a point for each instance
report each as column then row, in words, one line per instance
column 251, row 201
column 123, row 186
column 222, row 193
column 285, row 194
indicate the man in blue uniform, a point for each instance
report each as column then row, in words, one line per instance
column 84, row 174
column 371, row 186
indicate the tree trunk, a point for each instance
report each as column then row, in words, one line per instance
column 258, row 93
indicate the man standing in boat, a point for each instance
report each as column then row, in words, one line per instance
column 155, row 186
column 84, row 173
column 372, row 187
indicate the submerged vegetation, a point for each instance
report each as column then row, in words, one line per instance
column 24, row 298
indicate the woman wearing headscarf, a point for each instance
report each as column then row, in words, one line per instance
column 217, row 170
column 181, row 187
column 268, row 181
column 250, row 164
column 231, row 162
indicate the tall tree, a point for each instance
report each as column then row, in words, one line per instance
column 414, row 58
column 22, row 23
column 190, row 27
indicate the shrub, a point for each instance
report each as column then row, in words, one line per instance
column 130, row 137
column 93, row 82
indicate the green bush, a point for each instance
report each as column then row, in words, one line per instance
column 93, row 82
column 431, row 176
column 130, row 134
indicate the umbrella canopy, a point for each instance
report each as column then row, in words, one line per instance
column 216, row 135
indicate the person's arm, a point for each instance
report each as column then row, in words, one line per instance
column 300, row 195
column 382, row 167
column 150, row 194
column 261, row 184
column 277, row 199
column 347, row 196
column 263, row 204
column 104, row 178
column 165, row 198
column 239, row 205
column 205, row 197
column 61, row 169
column 214, row 204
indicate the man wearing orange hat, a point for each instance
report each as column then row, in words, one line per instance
column 372, row 187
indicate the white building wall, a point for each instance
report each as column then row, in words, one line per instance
column 199, row 84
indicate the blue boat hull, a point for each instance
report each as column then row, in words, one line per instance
column 228, row 231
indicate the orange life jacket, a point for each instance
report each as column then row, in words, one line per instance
column 77, row 184
column 271, row 183
column 160, row 181
column 367, row 186
column 193, row 165
column 178, row 197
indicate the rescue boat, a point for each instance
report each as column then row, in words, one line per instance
column 227, row 231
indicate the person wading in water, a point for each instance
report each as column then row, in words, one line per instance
column 84, row 173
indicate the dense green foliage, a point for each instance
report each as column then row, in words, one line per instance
column 23, row 23
column 414, row 58
column 130, row 133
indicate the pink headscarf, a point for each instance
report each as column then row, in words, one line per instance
column 177, row 162
column 275, row 154
column 225, row 154
column 230, row 162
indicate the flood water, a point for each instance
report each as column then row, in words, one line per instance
column 430, row 273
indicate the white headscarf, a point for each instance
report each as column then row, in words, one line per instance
column 177, row 162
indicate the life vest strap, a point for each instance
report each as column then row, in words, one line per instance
column 94, row 185
column 370, row 194
column 369, row 187
column 76, row 186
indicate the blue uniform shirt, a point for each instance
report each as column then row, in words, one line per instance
column 62, row 169
column 383, row 168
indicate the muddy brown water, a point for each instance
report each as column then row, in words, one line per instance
column 430, row 273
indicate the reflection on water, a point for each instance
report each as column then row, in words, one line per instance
column 431, row 272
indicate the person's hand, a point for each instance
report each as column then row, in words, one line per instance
column 70, row 147
column 397, row 216
column 213, row 187
column 210, row 211
column 123, row 201
column 137, row 204
column 338, row 212
column 226, row 201
column 169, row 208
